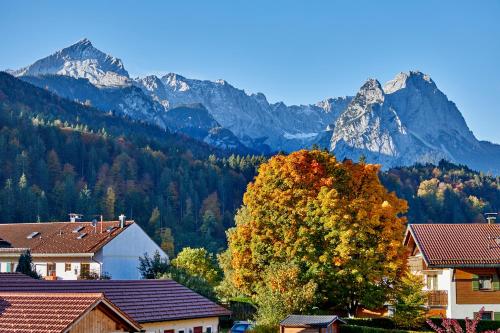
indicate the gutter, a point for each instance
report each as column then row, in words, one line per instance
column 497, row 265
column 62, row 255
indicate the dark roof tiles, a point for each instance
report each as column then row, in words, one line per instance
column 309, row 321
column 143, row 300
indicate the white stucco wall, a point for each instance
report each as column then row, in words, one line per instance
column 7, row 263
column 120, row 257
column 182, row 325
column 41, row 266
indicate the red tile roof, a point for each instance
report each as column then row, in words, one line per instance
column 455, row 245
column 49, row 312
column 143, row 300
column 58, row 237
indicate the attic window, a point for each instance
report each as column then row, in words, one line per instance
column 33, row 235
column 77, row 229
column 81, row 235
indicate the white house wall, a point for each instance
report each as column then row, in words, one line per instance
column 120, row 257
column 186, row 325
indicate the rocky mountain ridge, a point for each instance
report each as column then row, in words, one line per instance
column 405, row 121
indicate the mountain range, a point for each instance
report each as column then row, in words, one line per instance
column 405, row 121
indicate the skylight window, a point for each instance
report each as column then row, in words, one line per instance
column 109, row 229
column 33, row 235
column 81, row 235
column 77, row 229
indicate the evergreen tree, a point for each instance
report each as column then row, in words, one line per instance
column 26, row 266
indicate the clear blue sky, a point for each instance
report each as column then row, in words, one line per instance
column 298, row 52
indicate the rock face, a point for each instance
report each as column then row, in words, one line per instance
column 250, row 117
column 407, row 120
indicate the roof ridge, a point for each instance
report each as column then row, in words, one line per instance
column 52, row 294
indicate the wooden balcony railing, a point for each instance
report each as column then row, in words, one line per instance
column 437, row 298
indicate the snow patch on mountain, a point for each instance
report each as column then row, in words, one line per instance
column 80, row 60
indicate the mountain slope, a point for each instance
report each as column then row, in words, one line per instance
column 409, row 120
column 59, row 156
column 80, row 60
column 250, row 117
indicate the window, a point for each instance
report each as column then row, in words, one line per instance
column 485, row 282
column 67, row 267
column 198, row 329
column 180, row 331
column 84, row 269
column 51, row 269
column 168, row 331
column 209, row 329
column 487, row 315
column 8, row 267
column 432, row 282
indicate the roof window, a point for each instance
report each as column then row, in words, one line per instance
column 81, row 235
column 77, row 229
column 33, row 235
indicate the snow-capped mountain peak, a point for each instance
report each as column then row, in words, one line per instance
column 408, row 120
column 80, row 60
column 415, row 78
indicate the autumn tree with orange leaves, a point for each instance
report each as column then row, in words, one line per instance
column 334, row 220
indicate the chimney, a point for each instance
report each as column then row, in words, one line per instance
column 74, row 217
column 122, row 220
column 491, row 217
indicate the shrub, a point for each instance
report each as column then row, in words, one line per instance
column 265, row 329
column 365, row 329
column 386, row 323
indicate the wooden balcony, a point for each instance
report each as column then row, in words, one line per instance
column 437, row 298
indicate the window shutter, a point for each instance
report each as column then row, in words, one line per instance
column 495, row 282
column 496, row 316
column 475, row 282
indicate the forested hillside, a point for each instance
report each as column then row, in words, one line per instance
column 60, row 157
column 446, row 193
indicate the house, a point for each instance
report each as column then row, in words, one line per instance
column 75, row 250
column 23, row 312
column 460, row 265
column 159, row 306
column 311, row 324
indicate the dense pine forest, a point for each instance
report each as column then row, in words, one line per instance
column 60, row 157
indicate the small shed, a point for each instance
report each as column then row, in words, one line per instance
column 311, row 324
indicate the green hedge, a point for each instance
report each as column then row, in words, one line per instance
column 365, row 329
column 371, row 322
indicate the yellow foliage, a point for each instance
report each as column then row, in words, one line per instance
column 334, row 218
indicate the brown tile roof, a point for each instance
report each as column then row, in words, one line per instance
column 50, row 312
column 58, row 237
column 143, row 300
column 455, row 245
